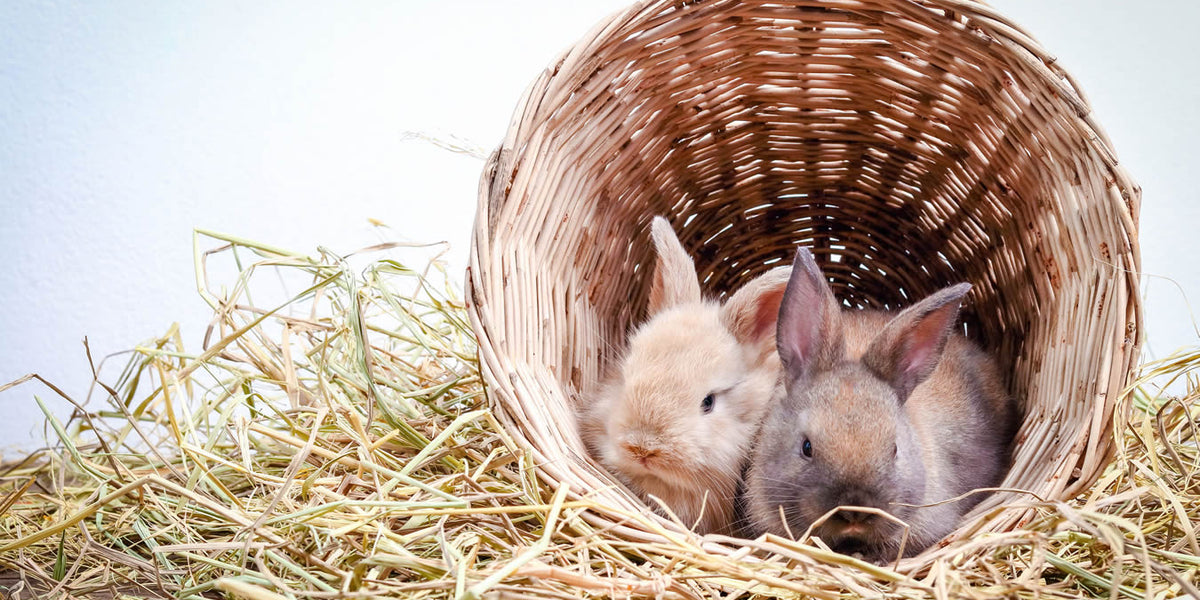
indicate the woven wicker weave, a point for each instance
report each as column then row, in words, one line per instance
column 913, row 144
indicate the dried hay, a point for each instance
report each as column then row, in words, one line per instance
column 286, row 460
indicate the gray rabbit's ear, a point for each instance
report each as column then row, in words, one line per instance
column 675, row 280
column 752, row 312
column 910, row 346
column 809, row 333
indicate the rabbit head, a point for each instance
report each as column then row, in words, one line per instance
column 841, row 436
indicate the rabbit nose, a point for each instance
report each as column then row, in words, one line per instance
column 640, row 452
column 854, row 516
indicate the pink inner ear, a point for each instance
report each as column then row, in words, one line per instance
column 800, row 331
column 916, row 361
column 766, row 316
column 924, row 341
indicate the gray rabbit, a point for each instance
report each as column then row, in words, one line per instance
column 882, row 411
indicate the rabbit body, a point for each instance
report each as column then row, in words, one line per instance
column 677, row 416
column 882, row 411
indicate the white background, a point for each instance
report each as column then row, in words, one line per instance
column 124, row 125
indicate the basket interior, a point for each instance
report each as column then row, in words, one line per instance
column 910, row 147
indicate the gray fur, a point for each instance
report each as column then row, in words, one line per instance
column 898, row 411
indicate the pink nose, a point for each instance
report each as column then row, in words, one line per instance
column 639, row 452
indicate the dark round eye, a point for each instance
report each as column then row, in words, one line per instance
column 708, row 403
column 806, row 448
column 895, row 450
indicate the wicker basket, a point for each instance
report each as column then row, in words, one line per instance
column 912, row 144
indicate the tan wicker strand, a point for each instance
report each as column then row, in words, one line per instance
column 911, row 143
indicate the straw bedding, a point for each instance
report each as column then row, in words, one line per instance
column 912, row 144
column 334, row 441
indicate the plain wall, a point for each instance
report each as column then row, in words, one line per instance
column 124, row 125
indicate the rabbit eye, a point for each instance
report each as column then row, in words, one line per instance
column 708, row 403
column 806, row 448
column 895, row 450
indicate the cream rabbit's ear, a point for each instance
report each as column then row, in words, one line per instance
column 910, row 346
column 675, row 280
column 751, row 313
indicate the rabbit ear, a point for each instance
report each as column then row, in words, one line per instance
column 809, row 334
column 675, row 280
column 751, row 313
column 909, row 347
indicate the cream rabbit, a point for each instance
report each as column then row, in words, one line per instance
column 676, row 419
column 881, row 411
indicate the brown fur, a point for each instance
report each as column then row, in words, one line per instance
column 647, row 424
